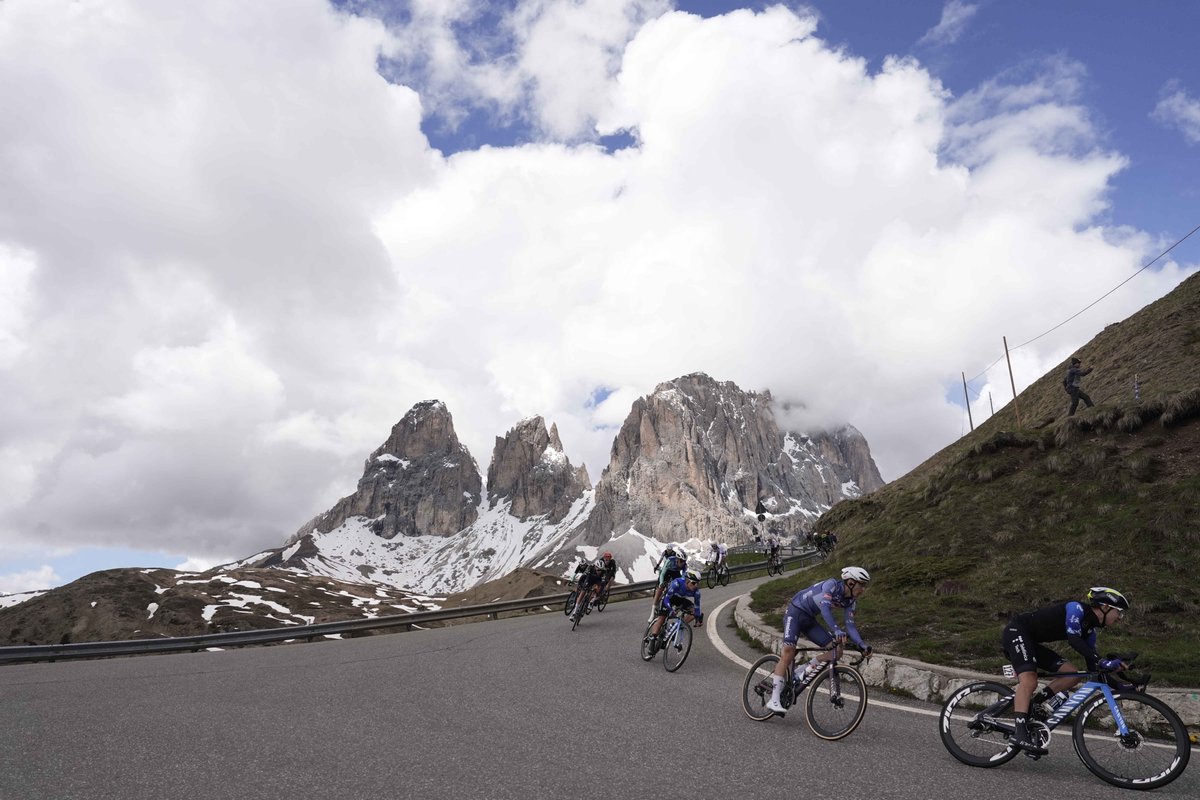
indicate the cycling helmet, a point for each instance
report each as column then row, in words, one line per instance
column 607, row 556
column 1102, row 595
column 856, row 573
column 692, row 575
column 670, row 551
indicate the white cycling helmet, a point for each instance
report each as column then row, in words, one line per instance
column 856, row 573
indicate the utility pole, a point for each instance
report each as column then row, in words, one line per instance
column 1016, row 405
column 967, row 398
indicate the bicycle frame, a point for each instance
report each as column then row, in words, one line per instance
column 1078, row 697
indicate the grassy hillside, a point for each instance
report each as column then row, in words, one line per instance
column 1012, row 517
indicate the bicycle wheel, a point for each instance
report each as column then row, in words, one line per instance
column 569, row 606
column 602, row 600
column 1153, row 753
column 835, row 707
column 756, row 689
column 976, row 724
column 676, row 650
column 648, row 651
column 712, row 578
column 724, row 576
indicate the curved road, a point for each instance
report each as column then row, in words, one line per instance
column 520, row 708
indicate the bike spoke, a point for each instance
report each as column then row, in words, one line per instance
column 976, row 724
column 1153, row 753
column 836, row 702
column 756, row 688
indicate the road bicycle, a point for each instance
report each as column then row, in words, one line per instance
column 837, row 694
column 824, row 548
column 1121, row 734
column 718, row 574
column 601, row 600
column 674, row 638
column 774, row 564
column 581, row 607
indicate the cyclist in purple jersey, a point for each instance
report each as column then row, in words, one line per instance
column 1071, row 622
column 803, row 612
column 682, row 591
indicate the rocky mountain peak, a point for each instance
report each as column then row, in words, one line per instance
column 695, row 457
column 421, row 481
column 530, row 468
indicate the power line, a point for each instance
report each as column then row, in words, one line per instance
column 1145, row 266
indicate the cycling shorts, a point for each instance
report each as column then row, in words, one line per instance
column 1027, row 655
column 797, row 623
column 669, row 576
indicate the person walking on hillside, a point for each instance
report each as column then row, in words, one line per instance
column 1072, row 382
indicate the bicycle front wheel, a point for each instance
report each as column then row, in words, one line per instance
column 836, row 703
column 977, row 723
column 1153, row 753
column 756, row 689
column 569, row 606
column 712, row 578
column 602, row 600
column 724, row 576
column 676, row 650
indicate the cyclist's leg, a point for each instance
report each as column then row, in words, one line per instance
column 1064, row 684
column 1024, row 654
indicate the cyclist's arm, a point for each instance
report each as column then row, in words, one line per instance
column 852, row 629
column 1084, row 645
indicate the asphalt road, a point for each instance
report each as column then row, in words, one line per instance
column 520, row 708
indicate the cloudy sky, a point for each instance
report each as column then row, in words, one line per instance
column 238, row 241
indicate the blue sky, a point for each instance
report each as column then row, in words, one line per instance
column 291, row 221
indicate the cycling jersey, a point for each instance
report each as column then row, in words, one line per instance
column 678, row 590
column 610, row 570
column 818, row 601
column 672, row 567
column 1070, row 622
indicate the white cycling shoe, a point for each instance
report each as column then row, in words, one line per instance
column 776, row 706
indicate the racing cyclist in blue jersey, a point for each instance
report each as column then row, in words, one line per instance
column 802, row 617
column 1071, row 622
column 684, row 591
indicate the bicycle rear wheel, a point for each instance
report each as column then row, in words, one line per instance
column 976, row 724
column 648, row 651
column 836, row 703
column 602, row 600
column 723, row 577
column 756, row 689
column 712, row 578
column 675, row 651
column 1153, row 753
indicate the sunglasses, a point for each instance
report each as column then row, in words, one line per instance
column 1120, row 613
column 692, row 582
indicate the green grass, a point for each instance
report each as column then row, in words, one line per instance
column 1011, row 518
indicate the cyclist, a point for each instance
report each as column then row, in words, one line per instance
column 588, row 576
column 804, row 610
column 1023, row 638
column 671, row 566
column 773, row 548
column 608, row 571
column 717, row 554
column 682, row 592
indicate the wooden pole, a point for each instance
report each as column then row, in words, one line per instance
column 967, row 398
column 1016, row 405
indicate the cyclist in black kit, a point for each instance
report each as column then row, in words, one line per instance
column 1071, row 622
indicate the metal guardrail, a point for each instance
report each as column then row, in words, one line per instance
column 175, row 644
